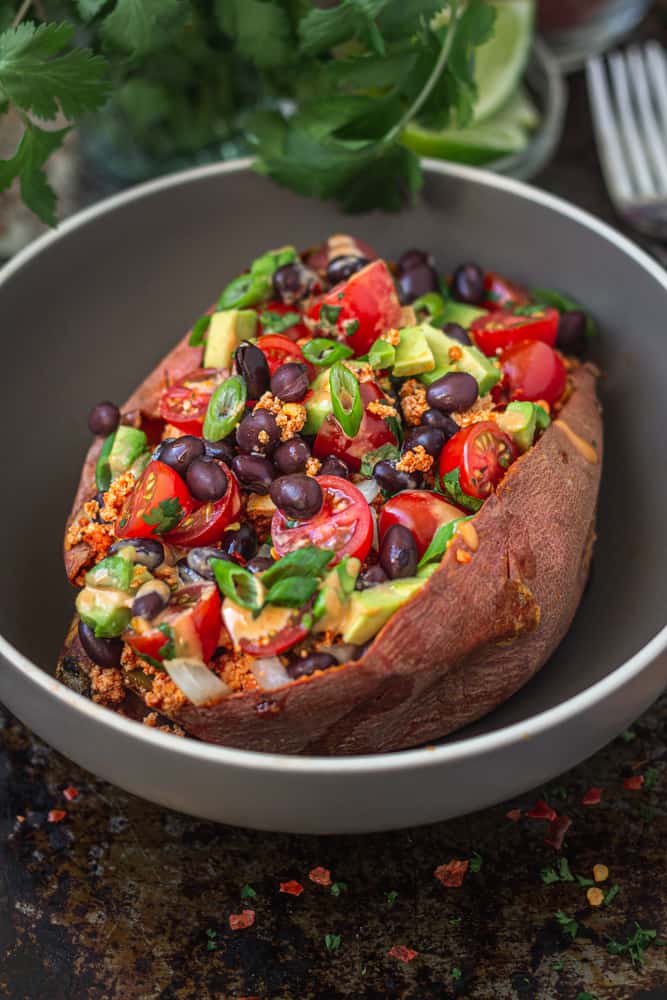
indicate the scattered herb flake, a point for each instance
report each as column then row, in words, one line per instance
column 650, row 777
column 165, row 516
column 635, row 945
column 239, row 921
column 320, row 876
column 585, row 882
column 168, row 649
column 557, row 966
column 329, row 316
column 455, row 921
column 338, row 887
column 292, row 888
column 549, row 876
column 452, row 873
column 332, row 942
column 211, row 943
column 456, row 972
column 611, row 894
column 476, row 862
column 402, row 953
column 391, row 898
column 247, row 892
column 628, row 735
column 585, row 995
column 275, row 322
column 568, row 925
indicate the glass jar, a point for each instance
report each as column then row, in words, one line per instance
column 577, row 29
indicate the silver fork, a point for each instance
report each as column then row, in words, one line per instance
column 630, row 122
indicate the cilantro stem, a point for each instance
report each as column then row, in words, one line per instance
column 21, row 13
column 440, row 64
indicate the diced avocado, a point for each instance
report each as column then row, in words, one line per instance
column 225, row 332
column 368, row 610
column 112, row 573
column 519, row 421
column 381, row 355
column 459, row 312
column 542, row 418
column 451, row 356
column 413, row 354
column 105, row 611
column 331, row 602
column 318, row 405
column 127, row 446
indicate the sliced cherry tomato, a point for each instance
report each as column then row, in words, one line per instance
column 481, row 453
column 278, row 350
column 360, row 309
column 500, row 293
column 421, row 512
column 271, row 311
column 502, row 329
column 344, row 524
column 373, row 433
column 533, row 371
column 206, row 524
column 191, row 621
column 184, row 403
column 158, row 502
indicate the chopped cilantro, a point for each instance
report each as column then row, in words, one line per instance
column 168, row 650
column 455, row 921
column 549, row 876
column 585, row 995
column 391, row 898
column 338, row 887
column 456, row 972
column 350, row 327
column 568, row 925
column 452, row 489
column 635, row 945
column 561, row 874
column 247, row 892
column 585, row 882
column 329, row 315
column 386, row 452
column 332, row 942
column 650, row 778
column 211, row 943
column 165, row 516
column 275, row 322
column 476, row 862
column 557, row 966
column 628, row 735
column 611, row 894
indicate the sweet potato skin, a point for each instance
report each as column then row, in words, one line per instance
column 482, row 626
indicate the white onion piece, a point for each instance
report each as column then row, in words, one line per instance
column 376, row 535
column 197, row 682
column 269, row 673
column 343, row 651
column 370, row 488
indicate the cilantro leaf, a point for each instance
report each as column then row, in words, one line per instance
column 27, row 164
column 275, row 322
column 88, row 9
column 247, row 892
column 611, row 894
column 309, row 561
column 476, row 862
column 168, row 650
column 262, row 31
column 568, row 924
column 144, row 26
column 438, row 544
column 453, row 490
column 391, row 898
column 291, row 591
column 338, row 887
column 386, row 452
column 321, row 29
column 635, row 945
column 332, row 941
column 165, row 516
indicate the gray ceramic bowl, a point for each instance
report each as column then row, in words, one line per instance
column 84, row 314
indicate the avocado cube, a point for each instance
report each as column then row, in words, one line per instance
column 368, row 610
column 413, row 354
column 128, row 444
column 519, row 421
column 225, row 332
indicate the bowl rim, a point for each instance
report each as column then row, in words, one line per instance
column 397, row 760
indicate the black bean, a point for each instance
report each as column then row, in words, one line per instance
column 571, row 336
column 398, row 552
column 254, row 472
column 431, row 439
column 223, row 450
column 148, row 605
column 103, row 419
column 414, row 258
column 186, row 575
column 290, row 382
column 456, row 332
column 371, row 577
column 206, row 480
column 177, row 453
column 455, row 391
column 468, row 284
column 332, row 466
column 259, row 563
column 302, row 666
column 258, row 432
column 291, row 456
column 445, row 423
column 297, row 496
column 252, row 365
column 294, row 281
column 148, row 552
column 241, row 541
column 392, row 481
column 103, row 652
column 343, row 267
column 417, row 281
column 199, row 560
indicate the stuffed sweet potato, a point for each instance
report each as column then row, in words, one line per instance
column 352, row 511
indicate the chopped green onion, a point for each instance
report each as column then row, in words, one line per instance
column 198, row 330
column 324, row 352
column 225, row 408
column 102, row 468
column 430, row 306
column 256, row 285
column 346, row 399
column 381, row 355
column 292, row 591
column 238, row 584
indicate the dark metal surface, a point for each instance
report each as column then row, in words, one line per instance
column 120, row 899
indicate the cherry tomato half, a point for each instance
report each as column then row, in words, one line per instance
column 271, row 311
column 344, row 524
column 500, row 293
column 482, row 454
column 533, row 371
column 360, row 309
column 206, row 524
column 501, row 329
column 184, row 404
column 421, row 512
column 373, row 433
column 153, row 506
column 193, row 616
column 279, row 349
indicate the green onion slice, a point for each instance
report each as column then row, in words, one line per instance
column 238, row 584
column 323, row 352
column 225, row 408
column 346, row 399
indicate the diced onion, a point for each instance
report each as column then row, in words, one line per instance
column 343, row 651
column 197, row 682
column 376, row 535
column 269, row 673
column 370, row 489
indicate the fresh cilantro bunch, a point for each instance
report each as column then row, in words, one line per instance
column 321, row 95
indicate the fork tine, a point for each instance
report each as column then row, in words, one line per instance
column 629, row 131
column 657, row 72
column 612, row 157
column 654, row 137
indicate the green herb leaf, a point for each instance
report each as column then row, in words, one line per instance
column 350, row 327
column 564, row 871
column 291, row 592
column 247, row 892
column 238, row 584
column 346, row 399
column 568, row 924
column 102, row 468
column 611, row 894
column 261, row 31
column 456, row 973
column 88, row 9
column 275, row 322
column 199, row 330
column 585, row 883
column 476, row 862
column 329, row 315
column 309, row 561
column 438, row 544
column 321, row 29
column 165, row 516
column 635, row 945
column 628, row 735
column 563, row 303
column 391, row 898
column 211, row 943
column 386, row 452
column 585, row 995
column 651, row 775
column 168, row 650
column 452, row 488
column 144, row 26
column 323, row 352
column 34, row 149
column 225, row 409
column 332, row 942
column 557, row 966
column 338, row 887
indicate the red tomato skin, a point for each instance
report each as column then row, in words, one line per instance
column 500, row 293
column 204, row 611
column 373, row 433
column 158, row 482
column 292, row 333
column 459, row 453
column 353, row 519
column 502, row 329
column 421, row 512
column 368, row 298
column 198, row 396
column 533, row 371
column 206, row 524
column 278, row 643
column 279, row 349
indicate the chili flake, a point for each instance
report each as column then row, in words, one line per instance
column 292, row 888
column 600, row 873
column 321, row 876
column 56, row 815
column 239, row 921
column 402, row 953
column 514, row 815
column 595, row 896
column 542, row 810
column 634, row 783
column 592, row 797
column 71, row 793
column 557, row 830
column 452, row 874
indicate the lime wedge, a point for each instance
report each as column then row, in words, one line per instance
column 500, row 62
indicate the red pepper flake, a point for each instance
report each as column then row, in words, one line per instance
column 514, row 815
column 452, row 874
column 239, row 921
column 542, row 810
column 320, row 876
column 557, row 830
column 56, row 815
column 592, row 797
column 71, row 793
column 402, row 953
column 634, row 783
column 292, row 888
